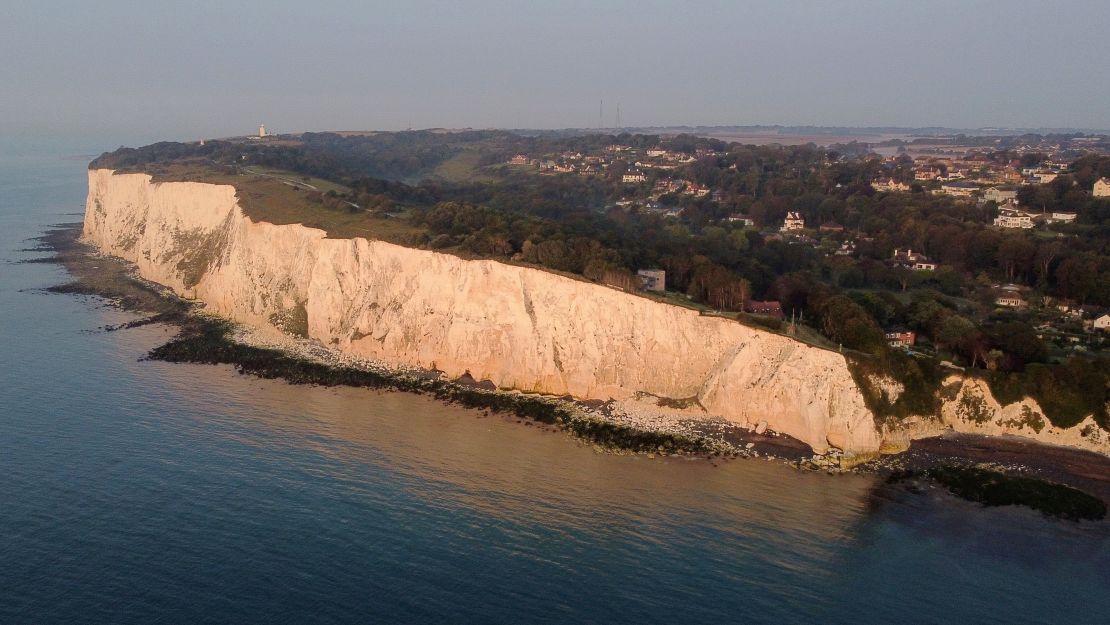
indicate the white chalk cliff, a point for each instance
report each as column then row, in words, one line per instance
column 518, row 327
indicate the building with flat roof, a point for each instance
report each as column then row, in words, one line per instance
column 652, row 279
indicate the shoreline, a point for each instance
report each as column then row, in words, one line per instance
column 208, row 339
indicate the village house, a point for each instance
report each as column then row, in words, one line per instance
column 633, row 177
column 890, row 185
column 912, row 260
column 663, row 187
column 793, row 223
column 770, row 308
column 1010, row 296
column 1044, row 177
column 959, row 189
column 901, row 338
column 1101, row 323
column 1069, row 308
column 926, row 174
column 520, row 159
column 1010, row 217
column 742, row 219
column 652, row 279
column 1000, row 195
column 696, row 190
column 847, row 248
column 1061, row 218
column 1101, row 188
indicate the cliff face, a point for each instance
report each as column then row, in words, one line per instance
column 520, row 328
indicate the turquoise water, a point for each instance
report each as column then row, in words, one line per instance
column 136, row 492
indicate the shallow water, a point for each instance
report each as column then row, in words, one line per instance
column 139, row 492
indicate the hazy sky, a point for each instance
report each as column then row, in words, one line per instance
column 142, row 71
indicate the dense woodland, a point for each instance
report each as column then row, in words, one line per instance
column 603, row 229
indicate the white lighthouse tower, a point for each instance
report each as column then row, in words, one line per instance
column 262, row 131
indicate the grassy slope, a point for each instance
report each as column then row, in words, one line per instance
column 267, row 196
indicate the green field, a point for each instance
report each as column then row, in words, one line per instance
column 282, row 198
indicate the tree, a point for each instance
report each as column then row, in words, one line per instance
column 1037, row 196
column 849, row 324
column 959, row 335
column 1015, row 255
column 1078, row 277
column 1020, row 344
column 1046, row 254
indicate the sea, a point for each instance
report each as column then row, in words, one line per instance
column 146, row 492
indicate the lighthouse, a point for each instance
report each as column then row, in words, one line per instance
column 262, row 131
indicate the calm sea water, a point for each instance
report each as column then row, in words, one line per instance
column 135, row 492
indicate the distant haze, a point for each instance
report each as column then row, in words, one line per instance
column 135, row 72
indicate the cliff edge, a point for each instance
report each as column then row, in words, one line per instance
column 518, row 327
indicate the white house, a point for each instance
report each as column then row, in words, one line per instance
column 633, row 177
column 1101, row 323
column 1045, row 177
column 1000, row 194
column 793, row 223
column 959, row 189
column 1010, row 296
column 1102, row 187
column 1009, row 217
column 913, row 260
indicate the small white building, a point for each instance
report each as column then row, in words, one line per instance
column 652, row 279
column 1102, row 187
column 633, row 177
column 1010, row 300
column 1101, row 323
column 1061, row 218
column 262, row 131
column 1010, row 296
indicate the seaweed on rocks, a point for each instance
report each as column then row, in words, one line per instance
column 995, row 488
column 209, row 340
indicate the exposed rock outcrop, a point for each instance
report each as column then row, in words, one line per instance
column 518, row 327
